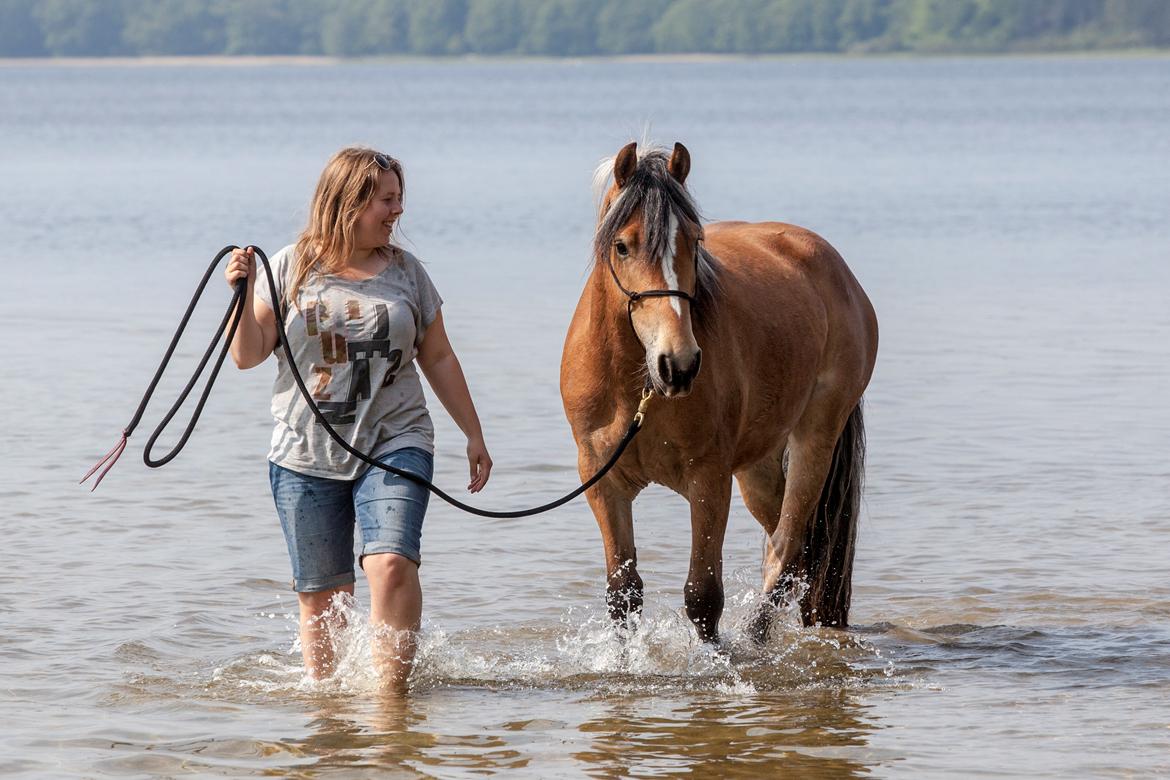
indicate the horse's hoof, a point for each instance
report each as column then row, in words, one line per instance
column 723, row 647
column 760, row 627
column 626, row 626
column 713, row 639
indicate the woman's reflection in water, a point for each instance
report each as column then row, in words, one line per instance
column 381, row 732
column 386, row 733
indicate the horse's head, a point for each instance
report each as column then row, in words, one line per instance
column 649, row 234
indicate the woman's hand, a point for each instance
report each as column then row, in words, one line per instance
column 241, row 266
column 480, row 463
column 256, row 335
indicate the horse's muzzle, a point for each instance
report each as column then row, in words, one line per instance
column 676, row 375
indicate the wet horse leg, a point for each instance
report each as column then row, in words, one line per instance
column 786, row 563
column 762, row 487
column 615, row 519
column 710, row 501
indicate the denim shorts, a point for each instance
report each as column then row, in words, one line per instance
column 318, row 517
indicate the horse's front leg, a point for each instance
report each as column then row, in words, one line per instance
column 710, row 500
column 613, row 508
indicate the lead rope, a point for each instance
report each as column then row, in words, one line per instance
column 234, row 311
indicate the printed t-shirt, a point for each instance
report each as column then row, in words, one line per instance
column 354, row 344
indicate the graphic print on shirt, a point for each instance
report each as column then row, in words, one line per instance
column 360, row 357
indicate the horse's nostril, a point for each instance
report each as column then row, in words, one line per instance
column 698, row 362
column 664, row 368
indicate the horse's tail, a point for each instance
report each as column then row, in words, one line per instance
column 832, row 534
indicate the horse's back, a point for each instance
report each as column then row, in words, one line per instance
column 798, row 276
column 778, row 247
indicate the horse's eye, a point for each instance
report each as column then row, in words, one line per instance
column 622, row 249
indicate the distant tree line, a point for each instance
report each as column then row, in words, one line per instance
column 361, row 28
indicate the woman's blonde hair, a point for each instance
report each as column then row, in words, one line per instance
column 347, row 185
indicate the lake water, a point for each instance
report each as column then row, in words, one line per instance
column 1011, row 611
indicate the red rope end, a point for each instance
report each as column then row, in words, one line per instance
column 111, row 456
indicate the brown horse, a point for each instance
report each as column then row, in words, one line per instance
column 787, row 340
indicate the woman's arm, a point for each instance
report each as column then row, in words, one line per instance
column 441, row 367
column 256, row 335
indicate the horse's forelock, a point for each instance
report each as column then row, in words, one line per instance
column 658, row 195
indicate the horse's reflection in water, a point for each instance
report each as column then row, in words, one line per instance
column 760, row 343
column 801, row 733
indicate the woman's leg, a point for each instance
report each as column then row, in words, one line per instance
column 390, row 511
column 317, row 517
column 318, row 631
column 395, row 611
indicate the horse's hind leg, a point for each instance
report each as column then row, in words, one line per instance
column 814, row 540
column 710, row 501
column 785, row 562
column 623, row 586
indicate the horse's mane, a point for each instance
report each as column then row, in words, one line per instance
column 663, row 203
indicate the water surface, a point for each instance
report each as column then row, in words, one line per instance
column 1011, row 608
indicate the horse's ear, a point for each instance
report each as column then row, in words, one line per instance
column 680, row 163
column 625, row 163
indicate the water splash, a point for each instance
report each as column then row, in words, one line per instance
column 659, row 652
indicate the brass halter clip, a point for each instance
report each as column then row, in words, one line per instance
column 640, row 416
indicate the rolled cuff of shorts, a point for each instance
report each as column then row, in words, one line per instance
column 324, row 583
column 379, row 547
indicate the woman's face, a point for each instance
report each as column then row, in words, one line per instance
column 374, row 223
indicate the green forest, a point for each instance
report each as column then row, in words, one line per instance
column 370, row 28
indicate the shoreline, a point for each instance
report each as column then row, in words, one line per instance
column 222, row 60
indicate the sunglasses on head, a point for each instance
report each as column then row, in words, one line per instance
column 383, row 161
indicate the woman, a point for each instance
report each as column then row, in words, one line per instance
column 359, row 312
